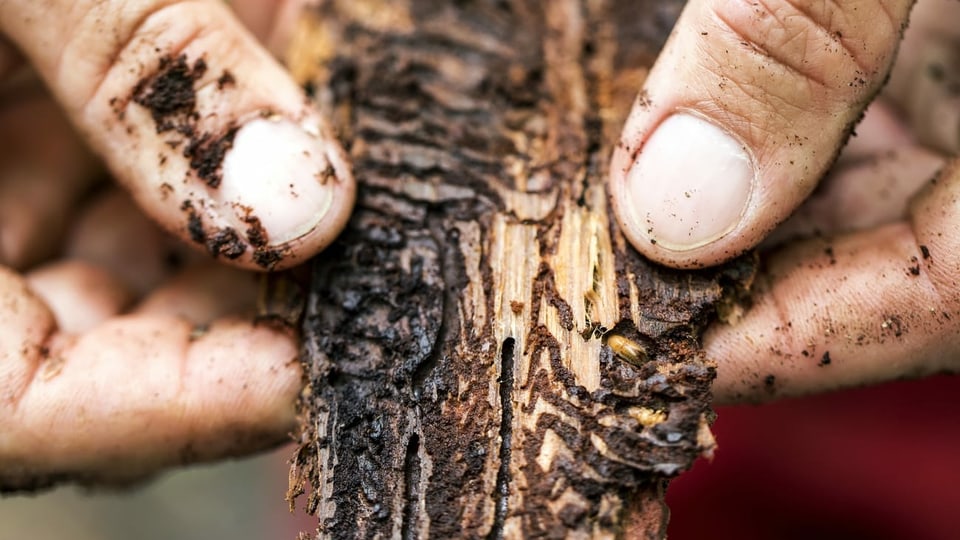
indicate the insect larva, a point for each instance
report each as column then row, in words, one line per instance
column 627, row 349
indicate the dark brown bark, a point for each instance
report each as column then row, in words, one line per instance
column 458, row 336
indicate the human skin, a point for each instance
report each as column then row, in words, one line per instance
column 75, row 331
column 113, row 363
column 757, row 98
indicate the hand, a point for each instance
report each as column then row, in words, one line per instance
column 217, row 145
column 740, row 118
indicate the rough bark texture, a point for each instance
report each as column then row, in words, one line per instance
column 457, row 338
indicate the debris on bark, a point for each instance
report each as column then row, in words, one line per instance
column 457, row 337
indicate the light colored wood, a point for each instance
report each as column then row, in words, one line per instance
column 461, row 379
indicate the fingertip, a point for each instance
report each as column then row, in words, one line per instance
column 272, row 22
column 79, row 294
column 746, row 353
column 212, row 137
column 202, row 293
column 287, row 189
column 740, row 117
column 683, row 198
column 111, row 232
column 240, row 373
column 265, row 185
column 140, row 393
column 849, row 311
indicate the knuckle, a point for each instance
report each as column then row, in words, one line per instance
column 822, row 45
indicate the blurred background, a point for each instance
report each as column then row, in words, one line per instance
column 879, row 463
column 236, row 500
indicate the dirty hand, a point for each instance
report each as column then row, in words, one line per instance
column 738, row 121
column 112, row 364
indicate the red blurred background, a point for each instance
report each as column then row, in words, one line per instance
column 880, row 463
column 875, row 463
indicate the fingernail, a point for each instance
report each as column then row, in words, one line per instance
column 689, row 185
column 277, row 180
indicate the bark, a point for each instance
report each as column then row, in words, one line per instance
column 486, row 355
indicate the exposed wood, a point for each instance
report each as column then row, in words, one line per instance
column 458, row 337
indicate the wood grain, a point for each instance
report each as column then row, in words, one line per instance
column 455, row 338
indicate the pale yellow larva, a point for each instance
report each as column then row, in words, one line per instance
column 627, row 349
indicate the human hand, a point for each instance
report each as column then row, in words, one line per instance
column 739, row 119
column 112, row 363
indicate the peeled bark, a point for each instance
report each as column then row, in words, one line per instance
column 457, row 338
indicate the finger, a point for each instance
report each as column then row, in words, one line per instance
column 873, row 191
column 10, row 59
column 881, row 130
column 135, row 394
column 740, row 117
column 925, row 82
column 856, row 310
column 44, row 170
column 210, row 135
column 80, row 295
column 113, row 234
column 203, row 293
column 271, row 22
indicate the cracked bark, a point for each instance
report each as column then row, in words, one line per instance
column 455, row 337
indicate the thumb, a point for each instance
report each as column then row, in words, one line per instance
column 742, row 114
column 211, row 136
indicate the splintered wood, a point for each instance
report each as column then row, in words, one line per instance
column 486, row 355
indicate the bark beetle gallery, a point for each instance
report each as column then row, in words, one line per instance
column 457, row 339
